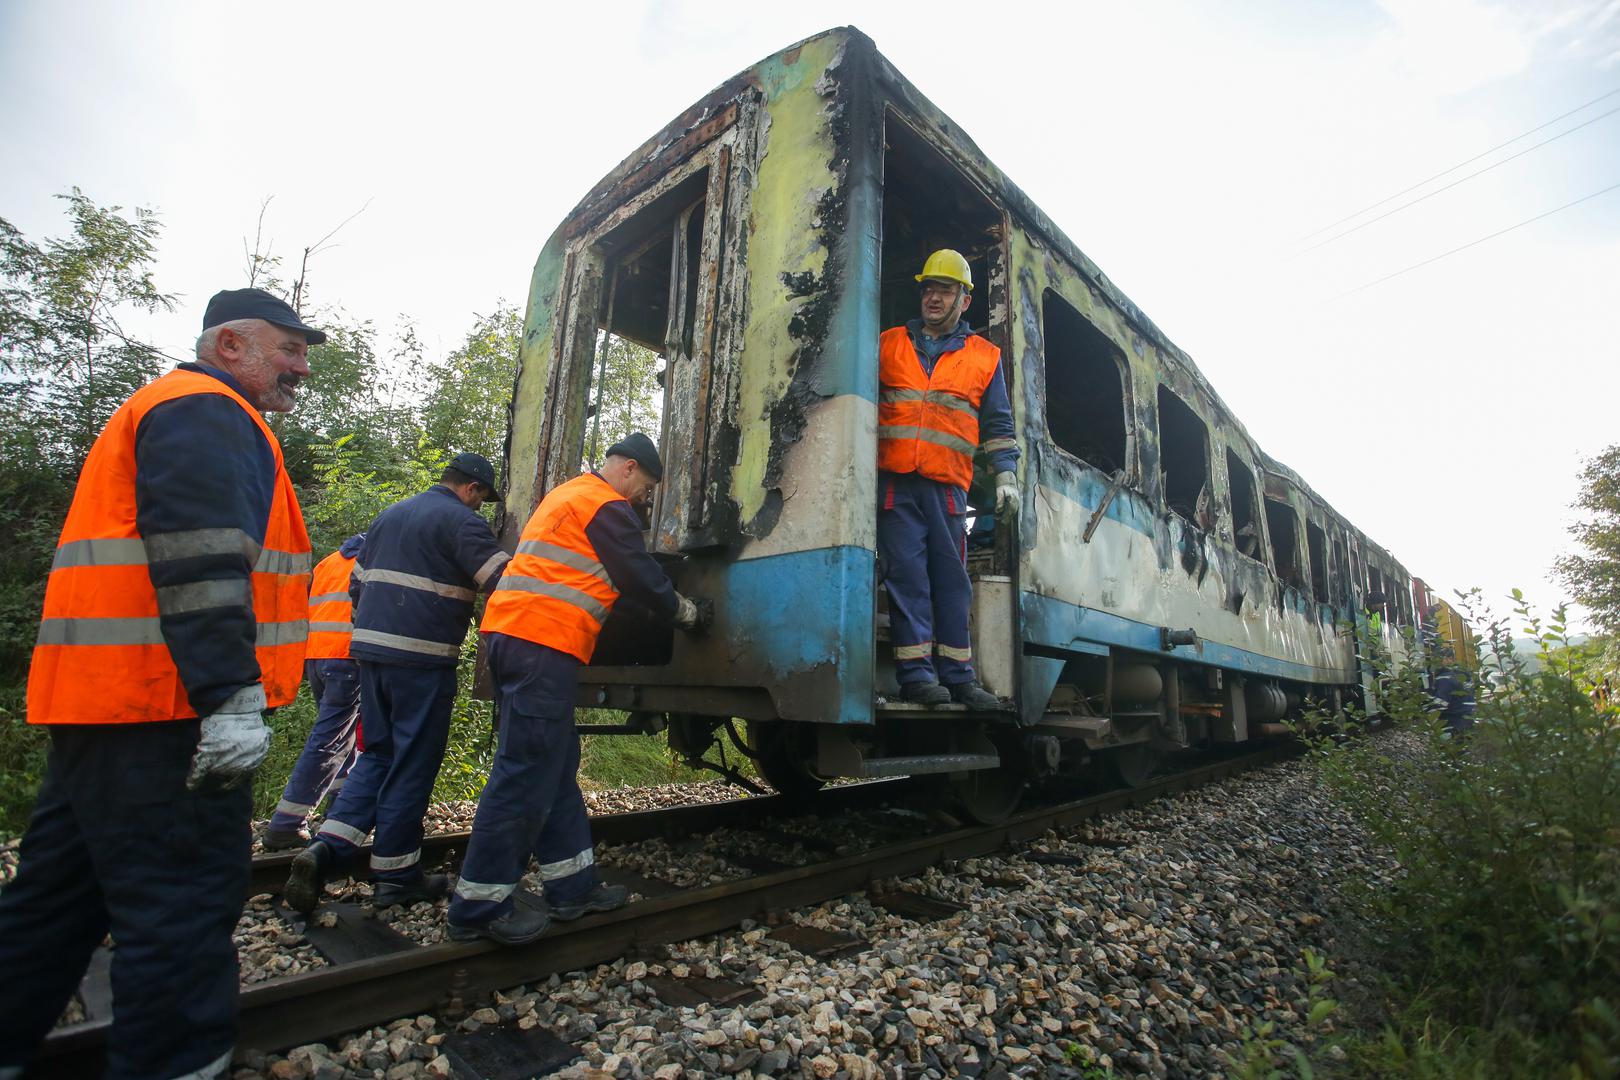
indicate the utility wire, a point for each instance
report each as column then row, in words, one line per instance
column 1474, row 243
column 1454, row 183
column 1459, row 165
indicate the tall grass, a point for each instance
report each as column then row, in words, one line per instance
column 1503, row 928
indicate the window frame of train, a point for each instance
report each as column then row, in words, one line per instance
column 1341, row 567
column 1180, row 431
column 1316, row 552
column 1291, row 572
column 688, row 209
column 1237, row 467
column 1076, row 358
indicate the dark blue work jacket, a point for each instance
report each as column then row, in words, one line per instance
column 424, row 561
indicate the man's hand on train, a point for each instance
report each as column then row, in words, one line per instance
column 1006, row 492
column 693, row 616
column 232, row 742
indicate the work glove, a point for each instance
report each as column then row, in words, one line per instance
column 1006, row 492
column 693, row 616
column 232, row 743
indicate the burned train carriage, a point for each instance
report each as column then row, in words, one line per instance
column 1165, row 582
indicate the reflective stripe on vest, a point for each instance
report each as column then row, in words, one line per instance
column 331, row 613
column 929, row 424
column 100, row 656
column 555, row 591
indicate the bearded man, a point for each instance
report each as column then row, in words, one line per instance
column 175, row 613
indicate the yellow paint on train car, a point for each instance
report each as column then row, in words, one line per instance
column 797, row 151
column 528, row 395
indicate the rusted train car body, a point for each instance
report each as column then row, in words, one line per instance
column 760, row 243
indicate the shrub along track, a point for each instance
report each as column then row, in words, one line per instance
column 408, row 979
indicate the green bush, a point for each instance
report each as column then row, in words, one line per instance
column 1504, row 925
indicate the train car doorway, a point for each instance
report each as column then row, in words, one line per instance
column 929, row 203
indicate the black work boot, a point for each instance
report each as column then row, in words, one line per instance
column 974, row 696
column 924, row 693
column 284, row 839
column 519, row 926
column 425, row 887
column 604, row 897
column 308, row 878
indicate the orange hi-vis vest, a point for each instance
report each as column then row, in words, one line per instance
column 929, row 424
column 331, row 612
column 100, row 656
column 555, row 591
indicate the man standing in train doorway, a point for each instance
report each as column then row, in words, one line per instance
column 941, row 391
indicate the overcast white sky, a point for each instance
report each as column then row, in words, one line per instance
column 1187, row 147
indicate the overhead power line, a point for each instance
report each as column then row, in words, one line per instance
column 1459, row 180
column 1475, row 243
column 1460, row 164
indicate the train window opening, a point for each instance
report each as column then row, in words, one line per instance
column 1341, row 569
column 1375, row 590
column 1085, row 397
column 1283, row 525
column 1403, row 601
column 1245, row 511
column 1184, row 460
column 928, row 204
column 1316, row 550
column 646, row 315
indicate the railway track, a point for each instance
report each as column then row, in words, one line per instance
column 270, row 870
column 373, row 981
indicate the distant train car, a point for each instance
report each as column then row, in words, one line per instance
column 1451, row 657
column 1166, row 583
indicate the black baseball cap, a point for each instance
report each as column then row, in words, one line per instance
column 231, row 304
column 478, row 467
column 641, row 450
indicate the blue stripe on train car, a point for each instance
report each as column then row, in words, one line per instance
column 807, row 616
column 1062, row 625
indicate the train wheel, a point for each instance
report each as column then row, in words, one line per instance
column 782, row 754
column 1130, row 765
column 989, row 796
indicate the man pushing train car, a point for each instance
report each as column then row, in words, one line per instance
column 941, row 391
column 175, row 614
column 580, row 552
column 422, row 564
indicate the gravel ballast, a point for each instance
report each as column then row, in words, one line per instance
column 1146, row 943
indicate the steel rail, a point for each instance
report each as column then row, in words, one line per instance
column 329, row 1001
column 270, row 869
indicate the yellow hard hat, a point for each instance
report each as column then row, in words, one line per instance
column 948, row 265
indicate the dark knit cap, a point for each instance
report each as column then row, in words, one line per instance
column 641, row 450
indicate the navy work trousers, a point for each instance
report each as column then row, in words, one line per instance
column 921, row 527
column 405, row 720
column 532, row 803
column 328, row 753
column 118, row 845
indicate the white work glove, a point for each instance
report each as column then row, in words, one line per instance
column 693, row 616
column 1006, row 492
column 232, row 743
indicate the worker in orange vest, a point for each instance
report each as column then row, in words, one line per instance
column 175, row 613
column 580, row 552
column 942, row 397
column 334, row 683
